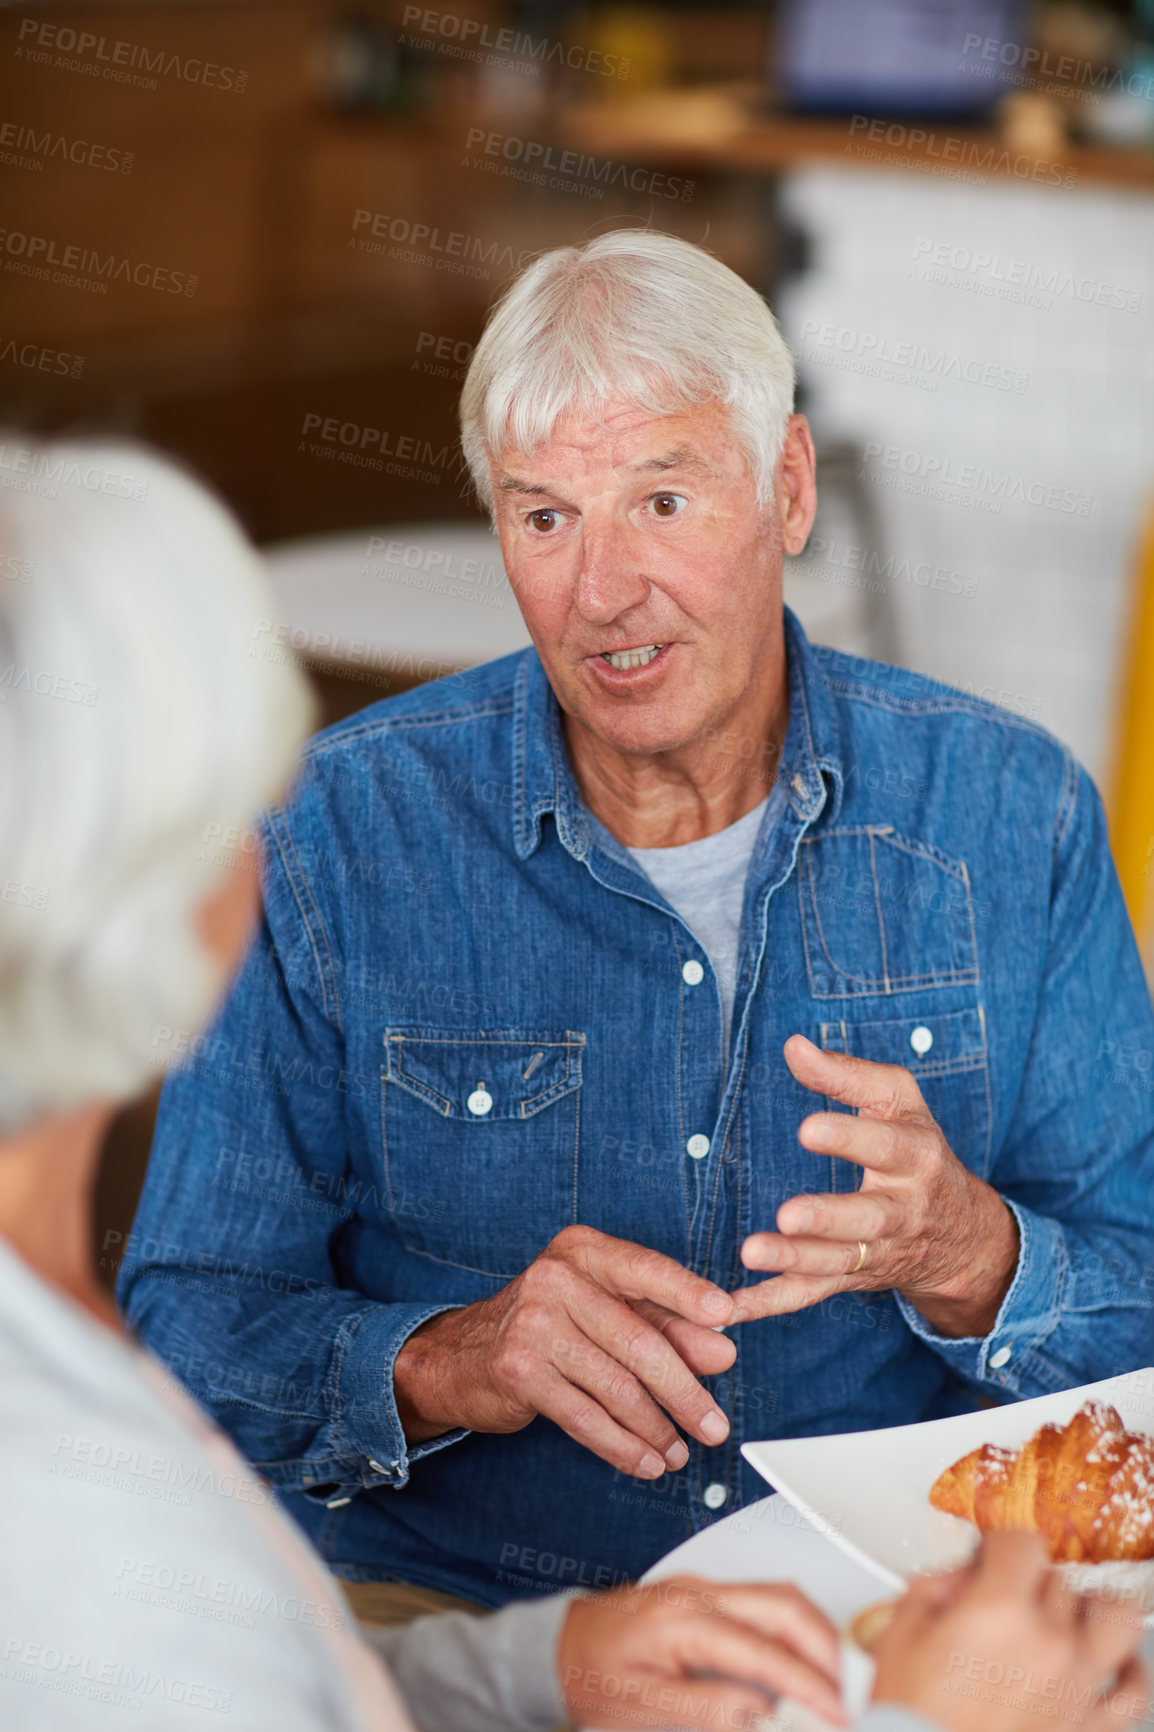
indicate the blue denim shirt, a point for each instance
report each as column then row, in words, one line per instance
column 445, row 918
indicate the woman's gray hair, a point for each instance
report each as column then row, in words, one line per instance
column 635, row 316
column 143, row 722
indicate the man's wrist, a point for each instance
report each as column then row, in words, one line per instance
column 415, row 1376
column 970, row 1307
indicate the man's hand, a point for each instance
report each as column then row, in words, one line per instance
column 942, row 1237
column 1005, row 1646
column 599, row 1335
column 691, row 1653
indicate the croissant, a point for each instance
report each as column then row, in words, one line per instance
column 1087, row 1487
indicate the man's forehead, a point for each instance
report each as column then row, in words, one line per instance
column 692, row 440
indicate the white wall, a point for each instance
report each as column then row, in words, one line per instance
column 1045, row 627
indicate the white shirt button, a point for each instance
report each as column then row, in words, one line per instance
column 714, row 1495
column 692, row 972
column 698, row 1146
column 921, row 1039
column 480, row 1101
column 1001, row 1357
column 375, row 1466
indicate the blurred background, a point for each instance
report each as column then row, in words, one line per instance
column 264, row 237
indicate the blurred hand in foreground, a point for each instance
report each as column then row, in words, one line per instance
column 1004, row 1645
column 692, row 1653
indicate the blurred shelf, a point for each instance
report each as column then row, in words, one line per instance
column 713, row 128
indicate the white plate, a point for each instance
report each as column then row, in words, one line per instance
column 868, row 1491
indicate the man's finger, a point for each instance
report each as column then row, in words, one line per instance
column 777, row 1252
column 636, row 1272
column 626, row 1337
column 885, row 1091
column 783, row 1294
column 624, row 1399
column 868, row 1215
column 706, row 1352
column 582, row 1418
column 880, row 1144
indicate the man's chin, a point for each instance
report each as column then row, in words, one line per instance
column 639, row 731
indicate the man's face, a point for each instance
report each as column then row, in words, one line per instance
column 640, row 531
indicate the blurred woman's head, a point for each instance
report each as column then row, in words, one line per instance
column 141, row 729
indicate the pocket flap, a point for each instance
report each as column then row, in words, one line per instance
column 487, row 1075
column 932, row 1045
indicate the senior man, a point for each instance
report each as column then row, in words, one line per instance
column 446, row 1219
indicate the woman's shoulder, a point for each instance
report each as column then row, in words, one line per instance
column 145, row 1561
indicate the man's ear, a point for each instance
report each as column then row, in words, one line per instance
column 796, row 485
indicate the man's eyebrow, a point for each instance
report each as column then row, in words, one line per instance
column 510, row 484
column 681, row 457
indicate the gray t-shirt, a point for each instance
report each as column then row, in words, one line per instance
column 705, row 882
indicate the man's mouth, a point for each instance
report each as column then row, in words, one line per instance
column 632, row 658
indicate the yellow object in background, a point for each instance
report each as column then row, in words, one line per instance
column 639, row 37
column 1131, row 807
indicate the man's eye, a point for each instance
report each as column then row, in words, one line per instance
column 667, row 504
column 543, row 520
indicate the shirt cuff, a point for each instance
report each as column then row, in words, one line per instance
column 368, row 1438
column 493, row 1674
column 1028, row 1315
column 893, row 1717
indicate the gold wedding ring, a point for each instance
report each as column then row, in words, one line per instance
column 860, row 1264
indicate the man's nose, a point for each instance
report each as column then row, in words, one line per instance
column 609, row 581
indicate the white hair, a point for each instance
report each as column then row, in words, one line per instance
column 139, row 722
column 632, row 316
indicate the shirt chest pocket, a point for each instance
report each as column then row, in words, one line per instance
column 480, row 1135
column 883, row 913
column 947, row 1055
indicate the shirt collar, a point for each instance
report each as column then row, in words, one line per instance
column 543, row 780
